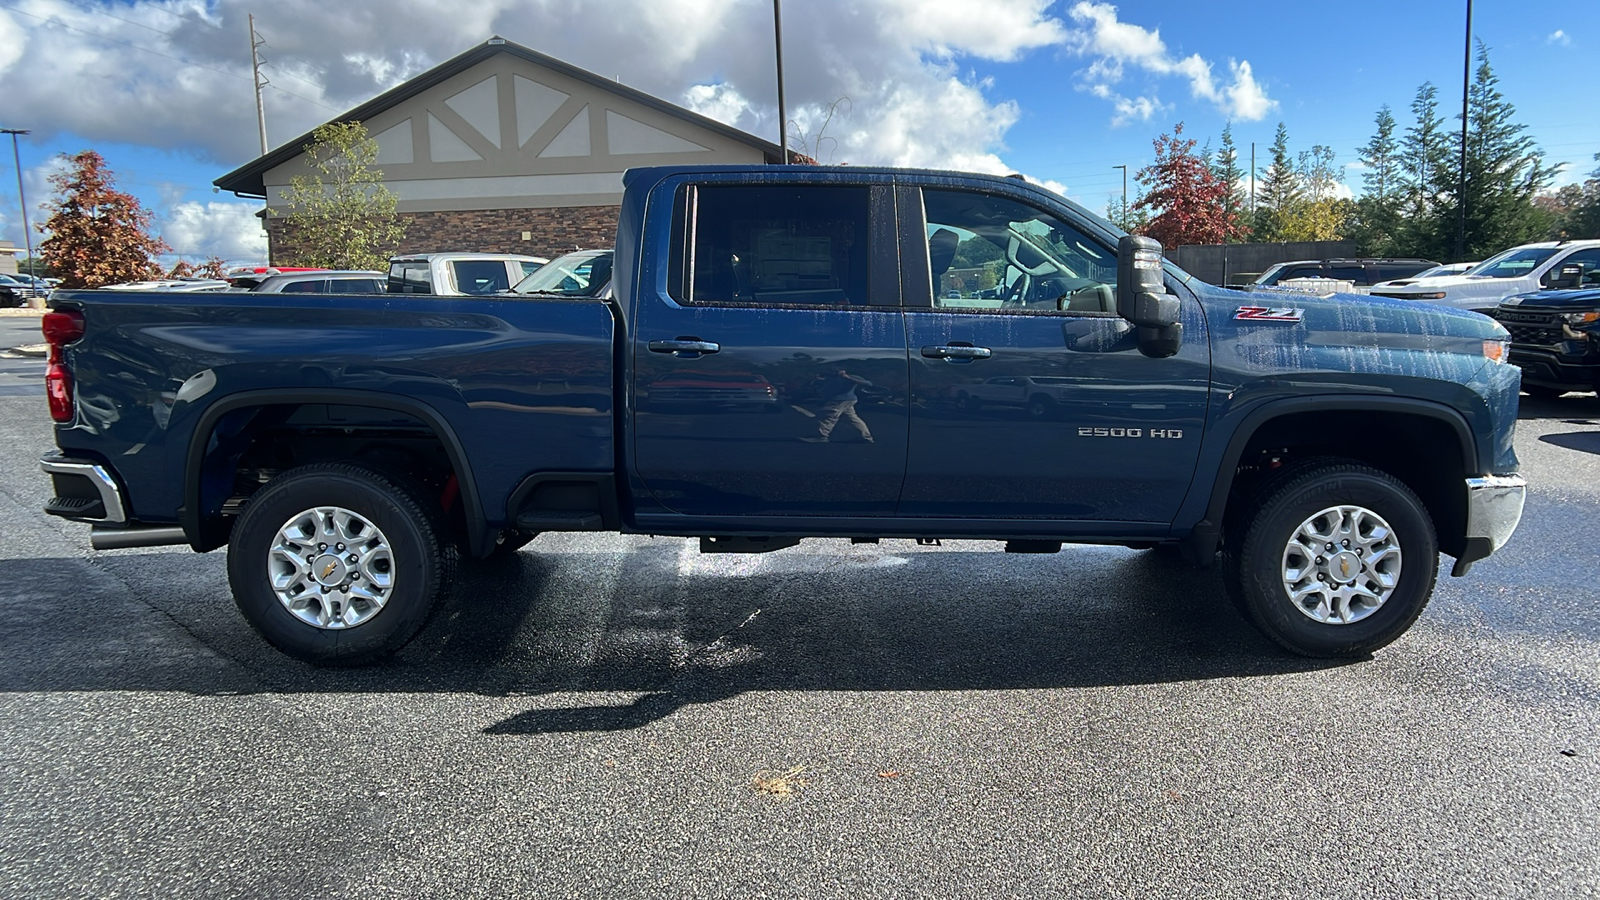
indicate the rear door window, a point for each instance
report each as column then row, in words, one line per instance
column 355, row 286
column 774, row 245
column 319, row 286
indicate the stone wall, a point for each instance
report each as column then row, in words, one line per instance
column 551, row 232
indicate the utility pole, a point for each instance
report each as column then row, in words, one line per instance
column 1124, row 169
column 27, row 238
column 1461, row 189
column 783, row 114
column 255, row 79
column 1252, row 182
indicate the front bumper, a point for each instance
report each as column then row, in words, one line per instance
column 1557, row 367
column 1494, row 507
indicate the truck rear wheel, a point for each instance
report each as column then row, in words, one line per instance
column 1337, row 559
column 338, row 565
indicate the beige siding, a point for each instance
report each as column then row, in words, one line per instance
column 511, row 134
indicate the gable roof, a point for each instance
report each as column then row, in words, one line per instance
column 248, row 179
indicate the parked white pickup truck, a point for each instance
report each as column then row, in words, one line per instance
column 1531, row 267
column 459, row 274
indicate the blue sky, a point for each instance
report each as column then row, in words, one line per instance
column 1060, row 91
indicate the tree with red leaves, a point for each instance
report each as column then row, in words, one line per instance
column 98, row 235
column 1189, row 202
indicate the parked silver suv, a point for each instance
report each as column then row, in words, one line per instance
column 330, row 282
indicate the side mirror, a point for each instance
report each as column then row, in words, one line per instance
column 1142, row 296
column 1568, row 276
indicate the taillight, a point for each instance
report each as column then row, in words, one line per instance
column 60, row 327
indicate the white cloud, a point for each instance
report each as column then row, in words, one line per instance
column 231, row 231
column 1115, row 44
column 1559, row 37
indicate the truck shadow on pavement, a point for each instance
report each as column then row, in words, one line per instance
column 652, row 628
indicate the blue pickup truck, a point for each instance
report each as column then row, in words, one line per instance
column 785, row 355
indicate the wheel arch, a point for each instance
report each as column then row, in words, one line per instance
column 1439, row 482
column 208, row 533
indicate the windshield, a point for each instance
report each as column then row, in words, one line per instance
column 583, row 274
column 1512, row 263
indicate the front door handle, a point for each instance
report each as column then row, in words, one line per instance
column 685, row 347
column 956, row 351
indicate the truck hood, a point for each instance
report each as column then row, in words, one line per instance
column 1349, row 320
column 1584, row 300
column 1457, row 286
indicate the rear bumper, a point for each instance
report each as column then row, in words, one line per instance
column 85, row 491
column 1494, row 507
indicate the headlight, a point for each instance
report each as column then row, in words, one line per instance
column 1431, row 295
column 1583, row 318
column 1495, row 349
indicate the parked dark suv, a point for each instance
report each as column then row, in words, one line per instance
column 1360, row 272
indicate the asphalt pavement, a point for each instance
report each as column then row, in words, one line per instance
column 621, row 716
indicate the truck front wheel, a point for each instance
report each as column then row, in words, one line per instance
column 336, row 564
column 1337, row 559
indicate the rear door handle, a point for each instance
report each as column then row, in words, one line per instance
column 956, row 351
column 685, row 347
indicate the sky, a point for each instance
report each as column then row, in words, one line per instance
column 1062, row 92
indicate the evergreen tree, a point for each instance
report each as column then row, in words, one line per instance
column 1226, row 169
column 1424, row 166
column 1505, row 171
column 1376, row 217
column 98, row 234
column 1279, row 191
column 1582, row 219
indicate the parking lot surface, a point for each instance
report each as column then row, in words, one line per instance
column 621, row 716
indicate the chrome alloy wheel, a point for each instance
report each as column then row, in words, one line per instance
column 1341, row 565
column 331, row 568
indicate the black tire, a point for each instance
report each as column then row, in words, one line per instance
column 1041, row 407
column 1255, row 557
column 1540, row 392
column 422, row 562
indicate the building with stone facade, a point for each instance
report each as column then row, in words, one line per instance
column 505, row 149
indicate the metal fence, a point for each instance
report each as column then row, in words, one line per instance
column 1233, row 264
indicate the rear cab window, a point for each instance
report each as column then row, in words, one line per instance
column 480, row 277
column 410, row 277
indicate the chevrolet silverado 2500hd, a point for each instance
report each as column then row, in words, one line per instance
column 784, row 357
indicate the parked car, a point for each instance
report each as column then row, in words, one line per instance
column 1555, row 339
column 1360, row 273
column 459, row 274
column 323, row 282
column 1435, row 272
column 346, row 459
column 15, row 292
column 1548, row 265
column 247, row 277
column 182, row 285
column 586, row 273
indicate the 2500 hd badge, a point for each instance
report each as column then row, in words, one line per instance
column 1094, row 431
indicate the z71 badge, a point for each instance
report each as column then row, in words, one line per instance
column 1270, row 314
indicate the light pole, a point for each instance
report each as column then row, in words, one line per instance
column 1461, row 190
column 1124, row 169
column 783, row 115
column 27, row 239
